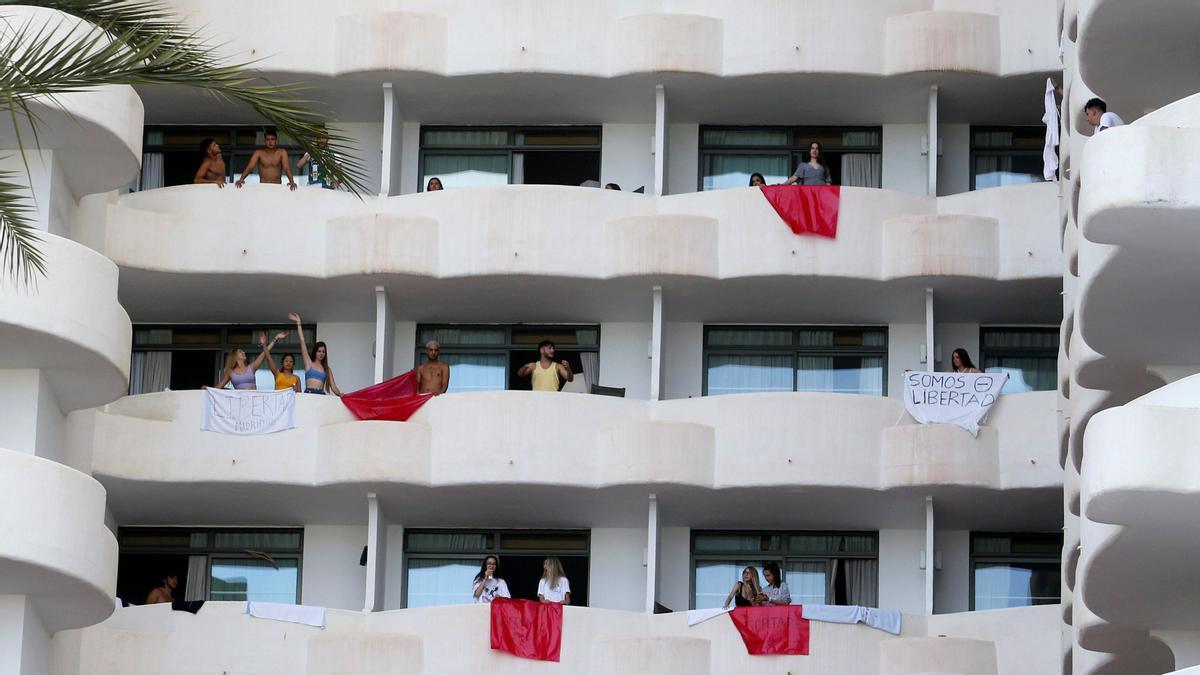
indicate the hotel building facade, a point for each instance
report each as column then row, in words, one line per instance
column 759, row 413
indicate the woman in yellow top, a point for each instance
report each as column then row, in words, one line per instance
column 285, row 378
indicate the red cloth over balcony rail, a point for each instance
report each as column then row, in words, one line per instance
column 807, row 209
column 395, row 399
column 529, row 629
column 778, row 629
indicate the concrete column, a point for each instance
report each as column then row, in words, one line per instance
column 385, row 335
column 930, row 347
column 656, row 332
column 652, row 554
column 932, row 132
column 929, row 559
column 660, row 139
column 392, row 144
column 376, row 555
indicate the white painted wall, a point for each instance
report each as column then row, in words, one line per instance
column 626, row 156
column 19, row 393
column 624, row 357
column 904, row 166
column 405, row 355
column 952, row 583
column 674, row 567
column 901, row 579
column 409, row 154
column 954, row 164
column 368, row 144
column 683, row 158
column 904, row 353
column 332, row 576
column 617, row 579
column 351, row 352
column 24, row 643
column 393, row 595
column 683, row 359
column 950, row 336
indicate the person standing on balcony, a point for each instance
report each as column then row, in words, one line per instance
column 238, row 372
column 433, row 376
column 318, row 173
column 547, row 375
column 554, row 586
column 960, row 362
column 812, row 172
column 318, row 376
column 745, row 592
column 212, row 166
column 434, row 184
column 488, row 584
column 163, row 593
column 271, row 162
column 776, row 591
column 757, row 180
column 285, row 378
column 1097, row 113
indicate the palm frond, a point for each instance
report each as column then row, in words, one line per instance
column 18, row 237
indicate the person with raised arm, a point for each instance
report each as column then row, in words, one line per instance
column 238, row 371
column 285, row 378
column 545, row 373
column 488, row 584
column 318, row 376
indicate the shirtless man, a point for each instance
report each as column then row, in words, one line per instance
column 546, row 374
column 271, row 162
column 433, row 377
column 212, row 167
column 163, row 593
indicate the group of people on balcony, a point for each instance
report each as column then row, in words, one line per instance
column 553, row 586
column 749, row 593
column 318, row 376
column 811, row 172
column 272, row 163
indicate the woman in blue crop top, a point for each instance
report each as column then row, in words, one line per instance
column 318, row 376
column 238, row 372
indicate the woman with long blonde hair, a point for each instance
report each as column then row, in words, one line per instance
column 554, row 586
column 240, row 373
column 745, row 592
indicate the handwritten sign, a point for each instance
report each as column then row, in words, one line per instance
column 246, row 413
column 963, row 399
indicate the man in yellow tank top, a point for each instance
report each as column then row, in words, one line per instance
column 547, row 375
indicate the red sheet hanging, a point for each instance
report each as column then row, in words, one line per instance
column 777, row 629
column 807, row 209
column 395, row 399
column 529, row 629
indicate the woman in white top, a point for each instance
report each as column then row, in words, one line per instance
column 776, row 591
column 554, row 586
column 488, row 584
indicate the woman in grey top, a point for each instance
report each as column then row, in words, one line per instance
column 812, row 172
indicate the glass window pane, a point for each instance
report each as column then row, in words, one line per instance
column 814, row 543
column 736, row 542
column 440, row 581
column 807, row 581
column 749, row 337
column 254, row 579
column 840, row 374
column 257, row 541
column 449, row 541
column 999, row 170
column 465, row 137
column 745, row 137
column 463, row 336
column 730, row 171
column 1019, row 338
column 715, row 578
column 476, row 372
column 738, row 373
column 999, row 585
column 532, row 336
column 548, row 542
column 869, row 138
column 587, row 337
column 1024, row 374
column 152, row 336
column 139, row 537
column 559, row 137
column 466, row 170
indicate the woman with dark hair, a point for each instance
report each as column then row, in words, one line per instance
column 745, row 592
column 434, row 184
column 318, row 376
column 212, row 167
column 960, row 362
column 488, row 584
column 776, row 591
column 757, row 180
column 612, row 186
column 284, row 377
column 813, row 171
column 554, row 586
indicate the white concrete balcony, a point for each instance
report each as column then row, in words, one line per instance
column 70, row 325
column 824, row 448
column 455, row 640
column 1003, row 241
column 54, row 547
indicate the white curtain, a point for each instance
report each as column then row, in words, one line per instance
column 738, row 374
column 149, row 372
column 870, row 376
column 518, row 170
column 862, row 169
column 476, row 372
column 808, row 582
column 152, row 163
column 591, row 368
column 714, row 578
column 197, row 578
column 862, row 582
column 441, row 581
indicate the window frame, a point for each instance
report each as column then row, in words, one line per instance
column 986, row 352
column 1015, row 558
column 224, row 345
column 795, row 351
column 781, row 556
column 998, row 151
column 508, row 149
column 797, row 144
column 509, row 346
column 230, row 148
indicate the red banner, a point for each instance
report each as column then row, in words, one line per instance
column 525, row 628
column 807, row 209
column 395, row 399
column 775, row 629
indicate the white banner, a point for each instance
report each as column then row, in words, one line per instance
column 247, row 413
column 952, row 398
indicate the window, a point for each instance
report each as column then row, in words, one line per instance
column 825, row 568
column 487, row 357
column 1028, row 355
column 728, row 155
column 1015, row 570
column 847, row 360
column 1006, row 156
column 211, row 564
column 190, row 356
column 440, row 565
column 478, row 156
column 171, row 154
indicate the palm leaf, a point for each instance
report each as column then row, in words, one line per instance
column 18, row 236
